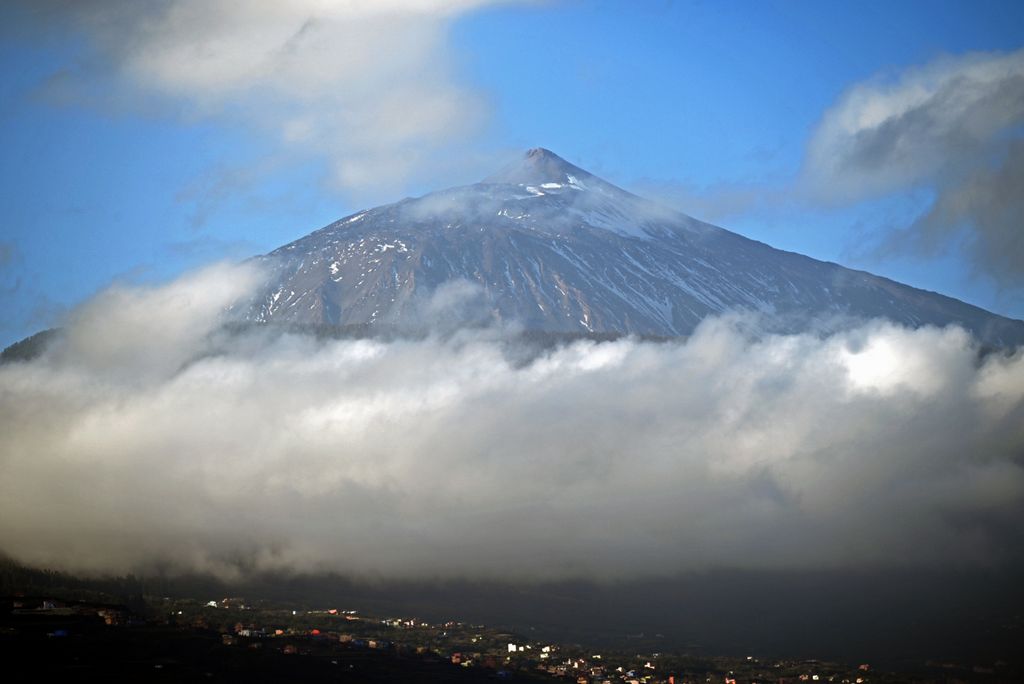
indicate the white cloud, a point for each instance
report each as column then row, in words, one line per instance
column 369, row 85
column 927, row 124
column 948, row 130
column 953, row 127
column 455, row 457
column 139, row 332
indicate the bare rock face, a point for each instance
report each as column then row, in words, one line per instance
column 549, row 246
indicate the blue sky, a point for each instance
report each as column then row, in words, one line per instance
column 124, row 161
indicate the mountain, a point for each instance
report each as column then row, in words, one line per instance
column 558, row 249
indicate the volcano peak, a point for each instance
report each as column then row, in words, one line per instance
column 538, row 165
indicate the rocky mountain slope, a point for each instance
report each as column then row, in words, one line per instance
column 552, row 247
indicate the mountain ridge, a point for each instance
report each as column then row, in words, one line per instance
column 552, row 247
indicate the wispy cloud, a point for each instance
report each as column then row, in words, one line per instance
column 952, row 126
column 717, row 202
column 926, row 125
column 370, row 86
column 149, row 436
column 10, row 277
column 11, row 274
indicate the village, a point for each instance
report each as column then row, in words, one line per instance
column 181, row 639
column 507, row 654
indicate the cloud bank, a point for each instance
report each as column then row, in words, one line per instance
column 952, row 126
column 949, row 130
column 369, row 86
column 148, row 436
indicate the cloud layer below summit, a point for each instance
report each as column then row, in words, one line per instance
column 147, row 437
